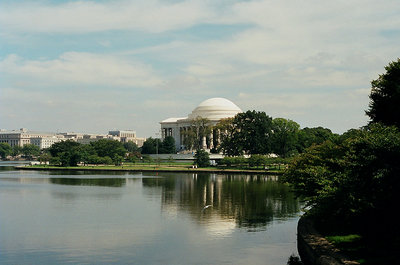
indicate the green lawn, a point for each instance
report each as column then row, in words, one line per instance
column 355, row 247
column 164, row 166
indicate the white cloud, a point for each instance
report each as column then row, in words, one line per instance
column 83, row 69
column 310, row 61
column 88, row 16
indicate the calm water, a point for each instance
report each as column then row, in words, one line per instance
column 149, row 218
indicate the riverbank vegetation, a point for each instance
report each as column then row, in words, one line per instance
column 351, row 184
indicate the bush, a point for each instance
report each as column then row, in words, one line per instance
column 201, row 158
column 354, row 183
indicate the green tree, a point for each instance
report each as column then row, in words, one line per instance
column 56, row 161
column 117, row 159
column 69, row 152
column 131, row 147
column 354, row 183
column 16, row 150
column 249, row 133
column 86, row 151
column 314, row 136
column 108, row 147
column 315, row 169
column 63, row 146
column 30, row 150
column 106, row 160
column 284, row 137
column 70, row 158
column 384, row 106
column 45, row 157
column 5, row 150
column 168, row 145
column 372, row 181
column 151, row 146
column 202, row 158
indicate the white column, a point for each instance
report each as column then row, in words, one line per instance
column 211, row 136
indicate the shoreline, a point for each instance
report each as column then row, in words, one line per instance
column 153, row 169
column 314, row 249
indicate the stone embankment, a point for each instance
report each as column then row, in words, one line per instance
column 314, row 249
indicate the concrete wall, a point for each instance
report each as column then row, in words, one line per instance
column 314, row 249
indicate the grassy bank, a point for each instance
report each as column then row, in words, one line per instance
column 170, row 167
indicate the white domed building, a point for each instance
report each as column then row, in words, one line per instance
column 213, row 109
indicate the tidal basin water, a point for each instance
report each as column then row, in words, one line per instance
column 145, row 218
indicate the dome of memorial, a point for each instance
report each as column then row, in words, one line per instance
column 215, row 109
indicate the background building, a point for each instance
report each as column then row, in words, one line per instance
column 128, row 135
column 23, row 136
column 45, row 140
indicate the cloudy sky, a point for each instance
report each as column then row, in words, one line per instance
column 93, row 66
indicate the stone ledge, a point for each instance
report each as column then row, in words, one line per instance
column 314, row 249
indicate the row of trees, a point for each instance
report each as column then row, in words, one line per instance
column 254, row 132
column 70, row 153
column 156, row 146
column 352, row 183
column 28, row 150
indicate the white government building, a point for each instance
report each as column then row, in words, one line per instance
column 213, row 109
column 45, row 140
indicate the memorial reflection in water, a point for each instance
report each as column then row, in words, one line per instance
column 250, row 200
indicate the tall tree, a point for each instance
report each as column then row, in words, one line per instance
column 108, row 147
column 131, row 146
column 30, row 150
column 63, row 146
column 168, row 145
column 5, row 150
column 151, row 146
column 249, row 133
column 314, row 136
column 284, row 137
column 384, row 103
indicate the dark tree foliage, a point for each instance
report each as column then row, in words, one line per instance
column 156, row 146
column 317, row 135
column 70, row 158
column 249, row 133
column 63, row 146
column 168, row 145
column 202, row 158
column 354, row 183
column 284, row 137
column 384, row 106
column 16, row 150
column 108, row 147
column 151, row 146
column 5, row 150
column 131, row 147
column 30, row 150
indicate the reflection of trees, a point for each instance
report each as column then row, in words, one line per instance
column 251, row 200
column 83, row 172
column 106, row 182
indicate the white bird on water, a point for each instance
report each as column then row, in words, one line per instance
column 205, row 207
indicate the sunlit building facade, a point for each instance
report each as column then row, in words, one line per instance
column 213, row 109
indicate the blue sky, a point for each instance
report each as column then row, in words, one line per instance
column 93, row 66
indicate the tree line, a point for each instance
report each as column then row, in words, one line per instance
column 29, row 150
column 351, row 184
